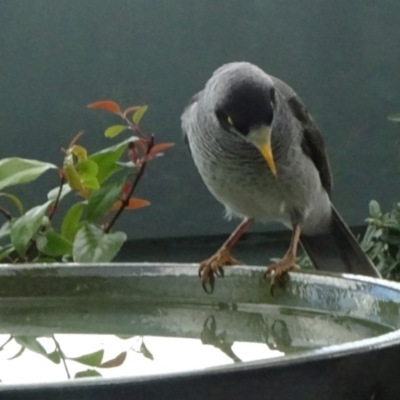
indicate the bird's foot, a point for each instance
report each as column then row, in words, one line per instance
column 279, row 270
column 214, row 265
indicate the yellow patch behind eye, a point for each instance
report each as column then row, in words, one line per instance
column 230, row 122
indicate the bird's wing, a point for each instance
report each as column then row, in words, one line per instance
column 187, row 117
column 312, row 143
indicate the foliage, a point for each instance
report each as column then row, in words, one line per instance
column 85, row 232
column 381, row 241
column 94, row 360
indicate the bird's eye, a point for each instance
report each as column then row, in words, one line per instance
column 272, row 96
column 225, row 120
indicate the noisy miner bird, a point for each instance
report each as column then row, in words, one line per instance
column 262, row 156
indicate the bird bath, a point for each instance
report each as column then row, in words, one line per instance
column 331, row 335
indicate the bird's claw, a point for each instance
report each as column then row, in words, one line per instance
column 279, row 271
column 214, row 265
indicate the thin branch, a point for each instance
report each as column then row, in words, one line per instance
column 5, row 213
column 125, row 201
column 62, row 356
column 136, row 128
column 54, row 208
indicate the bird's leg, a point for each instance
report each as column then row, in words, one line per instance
column 221, row 258
column 288, row 261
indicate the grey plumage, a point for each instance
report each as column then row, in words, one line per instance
column 237, row 174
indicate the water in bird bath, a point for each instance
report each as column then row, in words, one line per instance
column 53, row 340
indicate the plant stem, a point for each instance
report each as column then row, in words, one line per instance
column 6, row 213
column 136, row 129
column 125, row 201
column 62, row 356
column 54, row 208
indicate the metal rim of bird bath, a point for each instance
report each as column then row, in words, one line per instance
column 239, row 285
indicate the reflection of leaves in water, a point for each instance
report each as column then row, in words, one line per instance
column 94, row 359
column 89, row 373
column 20, row 351
column 91, row 359
column 31, row 343
column 6, row 342
column 142, row 349
column 145, row 351
column 114, row 362
column 125, row 337
column 55, row 356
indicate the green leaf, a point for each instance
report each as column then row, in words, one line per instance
column 367, row 241
column 17, row 171
column 100, row 201
column 91, row 183
column 87, row 169
column 5, row 251
column 91, row 244
column 395, row 117
column 79, row 152
column 52, row 195
column 89, row 373
column 106, row 159
column 70, row 224
column 374, row 209
column 15, row 200
column 25, row 227
column 114, row 130
column 5, row 229
column 52, row 244
column 93, row 359
column 72, row 176
column 138, row 114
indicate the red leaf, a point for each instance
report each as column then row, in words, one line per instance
column 134, row 203
column 160, row 147
column 142, row 144
column 75, row 139
column 132, row 153
column 131, row 109
column 107, row 105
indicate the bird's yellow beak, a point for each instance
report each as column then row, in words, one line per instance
column 261, row 138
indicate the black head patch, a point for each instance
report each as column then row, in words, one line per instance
column 247, row 104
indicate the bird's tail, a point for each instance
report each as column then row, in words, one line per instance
column 338, row 250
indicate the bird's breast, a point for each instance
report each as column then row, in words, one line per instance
column 237, row 175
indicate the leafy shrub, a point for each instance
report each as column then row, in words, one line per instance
column 86, row 232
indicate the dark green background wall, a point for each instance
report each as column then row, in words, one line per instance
column 342, row 57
